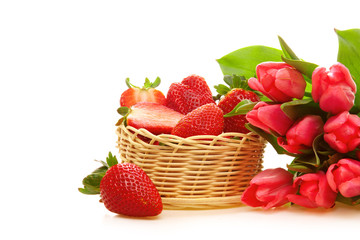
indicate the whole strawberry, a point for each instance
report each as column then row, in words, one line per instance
column 191, row 93
column 124, row 189
column 237, row 91
column 205, row 120
column 147, row 93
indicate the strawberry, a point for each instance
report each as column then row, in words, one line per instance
column 205, row 120
column 154, row 117
column 238, row 91
column 191, row 93
column 124, row 189
column 147, row 93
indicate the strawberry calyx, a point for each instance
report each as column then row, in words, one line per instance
column 123, row 111
column 92, row 181
column 232, row 81
column 147, row 84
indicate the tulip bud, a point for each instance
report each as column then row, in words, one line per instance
column 278, row 81
column 314, row 191
column 302, row 134
column 334, row 90
column 269, row 189
column 342, row 132
column 344, row 177
column 269, row 118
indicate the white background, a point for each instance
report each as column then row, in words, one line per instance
column 62, row 70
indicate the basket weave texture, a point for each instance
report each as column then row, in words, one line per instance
column 199, row 172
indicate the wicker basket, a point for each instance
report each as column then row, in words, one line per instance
column 200, row 172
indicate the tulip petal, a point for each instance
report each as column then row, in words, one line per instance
column 339, row 146
column 337, row 99
column 351, row 164
column 290, row 148
column 340, row 71
column 325, row 197
column 336, row 122
column 275, row 118
column 350, row 188
column 331, row 178
column 249, row 197
column 318, row 84
column 281, row 196
column 301, row 200
column 290, row 82
column 276, row 176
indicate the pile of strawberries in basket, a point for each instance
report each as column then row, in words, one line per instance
column 189, row 108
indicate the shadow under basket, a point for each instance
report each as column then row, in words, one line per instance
column 199, row 172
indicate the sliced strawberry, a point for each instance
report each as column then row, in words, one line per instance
column 147, row 93
column 191, row 93
column 205, row 120
column 237, row 91
column 154, row 117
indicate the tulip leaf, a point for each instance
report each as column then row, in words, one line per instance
column 243, row 61
column 288, row 52
column 303, row 168
column 348, row 200
column 349, row 54
column 299, row 108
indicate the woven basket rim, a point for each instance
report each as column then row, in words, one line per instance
column 173, row 140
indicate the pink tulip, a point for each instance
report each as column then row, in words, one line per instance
column 302, row 134
column 334, row 90
column 278, row 81
column 344, row 177
column 314, row 191
column 342, row 132
column 269, row 189
column 269, row 118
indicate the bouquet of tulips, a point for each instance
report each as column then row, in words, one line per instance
column 310, row 113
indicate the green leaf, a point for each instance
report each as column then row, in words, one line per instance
column 241, row 108
column 243, row 61
column 123, row 111
column 222, row 89
column 88, row 191
column 299, row 108
column 156, row 83
column 300, row 168
column 92, row 183
column 127, row 81
column 349, row 54
column 348, row 201
column 288, row 52
column 228, row 79
column 316, row 146
column 111, row 160
column 147, row 83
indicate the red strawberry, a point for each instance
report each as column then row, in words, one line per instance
column 124, row 189
column 147, row 93
column 154, row 117
column 205, row 120
column 240, row 91
column 191, row 93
